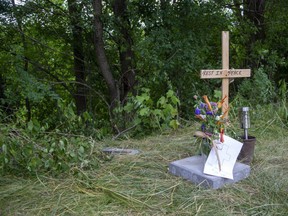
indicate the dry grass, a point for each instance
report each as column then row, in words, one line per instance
column 141, row 184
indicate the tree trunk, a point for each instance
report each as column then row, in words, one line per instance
column 125, row 47
column 80, row 94
column 101, row 56
column 254, row 11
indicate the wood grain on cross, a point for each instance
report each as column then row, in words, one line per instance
column 225, row 73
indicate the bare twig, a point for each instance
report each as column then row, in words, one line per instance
column 124, row 131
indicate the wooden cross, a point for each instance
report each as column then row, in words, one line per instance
column 225, row 73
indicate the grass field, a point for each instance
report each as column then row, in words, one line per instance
column 141, row 185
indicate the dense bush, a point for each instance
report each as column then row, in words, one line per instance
column 259, row 89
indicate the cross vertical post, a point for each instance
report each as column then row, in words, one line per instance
column 225, row 67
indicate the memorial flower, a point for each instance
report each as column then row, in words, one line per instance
column 212, row 122
column 210, row 114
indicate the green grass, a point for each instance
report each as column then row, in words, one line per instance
column 141, row 185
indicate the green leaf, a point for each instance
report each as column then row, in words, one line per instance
column 62, row 145
column 174, row 124
column 217, row 94
column 72, row 154
column 175, row 100
column 81, row 150
column 137, row 121
column 128, row 107
column 143, row 97
column 4, row 148
column 30, row 125
column 144, row 111
column 162, row 100
column 157, row 112
column 170, row 93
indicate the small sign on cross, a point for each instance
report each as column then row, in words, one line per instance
column 231, row 73
column 225, row 73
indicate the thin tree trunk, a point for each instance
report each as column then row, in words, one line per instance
column 79, row 64
column 101, row 56
column 125, row 47
column 254, row 11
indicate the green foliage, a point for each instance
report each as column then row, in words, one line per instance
column 282, row 91
column 33, row 150
column 55, row 146
column 65, row 120
column 283, row 107
column 148, row 115
column 258, row 89
column 176, row 46
column 276, row 38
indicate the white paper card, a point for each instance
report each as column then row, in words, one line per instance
column 228, row 152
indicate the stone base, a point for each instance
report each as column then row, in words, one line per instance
column 192, row 168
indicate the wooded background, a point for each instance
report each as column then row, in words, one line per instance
column 116, row 65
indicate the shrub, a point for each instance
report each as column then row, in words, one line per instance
column 147, row 115
column 259, row 89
